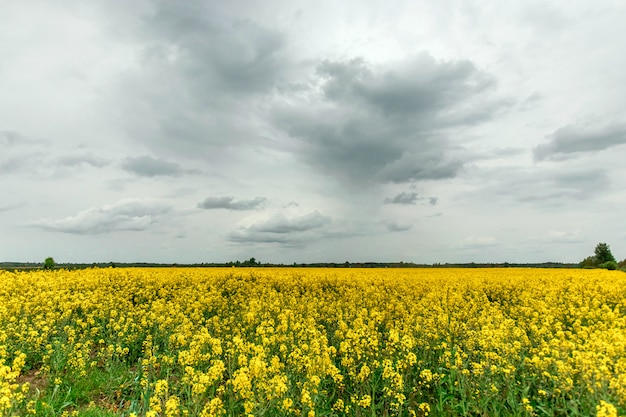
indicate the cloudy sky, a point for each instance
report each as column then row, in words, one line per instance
column 299, row 131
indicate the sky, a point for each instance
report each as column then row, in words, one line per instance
column 299, row 131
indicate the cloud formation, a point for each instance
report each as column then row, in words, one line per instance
column 10, row 138
column 146, row 166
column 402, row 198
column 409, row 199
column 574, row 140
column 394, row 226
column 200, row 72
column 367, row 123
column 229, row 203
column 290, row 229
column 125, row 215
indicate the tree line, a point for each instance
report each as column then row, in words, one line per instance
column 603, row 258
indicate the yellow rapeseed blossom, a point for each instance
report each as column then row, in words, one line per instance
column 290, row 341
column 605, row 409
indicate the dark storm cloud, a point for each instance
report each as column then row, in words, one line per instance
column 229, row 203
column 418, row 87
column 209, row 77
column 365, row 123
column 215, row 51
column 201, row 69
column 290, row 231
column 146, row 166
column 572, row 140
column 126, row 215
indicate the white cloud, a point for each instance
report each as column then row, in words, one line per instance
column 125, row 215
column 290, row 227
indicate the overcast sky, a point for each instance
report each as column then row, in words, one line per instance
column 301, row 131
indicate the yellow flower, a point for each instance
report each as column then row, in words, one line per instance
column 424, row 408
column 365, row 401
column 605, row 409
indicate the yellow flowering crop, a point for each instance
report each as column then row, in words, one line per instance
column 335, row 342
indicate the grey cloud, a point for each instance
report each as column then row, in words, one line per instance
column 420, row 166
column 39, row 164
column 146, row 166
column 409, row 199
column 126, row 215
column 9, row 137
column 10, row 165
column 571, row 140
column 402, row 198
column 229, row 203
column 202, row 68
column 20, row 153
column 545, row 187
column 213, row 49
column 282, row 224
column 8, row 207
column 394, row 226
column 417, row 87
column 251, row 237
column 363, row 123
column 577, row 185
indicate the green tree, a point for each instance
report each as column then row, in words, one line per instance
column 603, row 254
column 588, row 262
column 251, row 262
column 48, row 264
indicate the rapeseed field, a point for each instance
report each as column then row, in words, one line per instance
column 313, row 342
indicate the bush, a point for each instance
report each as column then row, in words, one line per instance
column 610, row 265
column 48, row 264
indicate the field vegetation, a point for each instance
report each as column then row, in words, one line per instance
column 313, row 342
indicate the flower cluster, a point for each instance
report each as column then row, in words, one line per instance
column 288, row 341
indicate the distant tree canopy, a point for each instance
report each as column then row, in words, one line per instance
column 48, row 264
column 603, row 253
column 602, row 258
column 251, row 262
